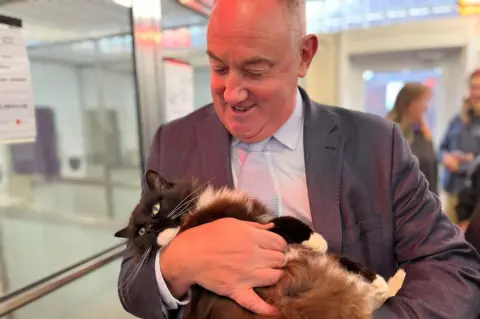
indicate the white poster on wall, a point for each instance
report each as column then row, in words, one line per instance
column 17, row 110
column 178, row 89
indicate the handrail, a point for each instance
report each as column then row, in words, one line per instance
column 49, row 284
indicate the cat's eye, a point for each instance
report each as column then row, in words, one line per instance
column 141, row 231
column 156, row 209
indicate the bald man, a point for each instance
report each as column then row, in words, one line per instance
column 349, row 175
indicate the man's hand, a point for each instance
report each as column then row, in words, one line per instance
column 228, row 257
column 452, row 162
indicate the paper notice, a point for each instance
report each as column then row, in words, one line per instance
column 178, row 89
column 17, row 111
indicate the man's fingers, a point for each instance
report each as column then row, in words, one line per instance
column 270, row 259
column 266, row 277
column 270, row 240
column 250, row 300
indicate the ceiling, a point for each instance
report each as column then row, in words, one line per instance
column 60, row 30
column 69, row 20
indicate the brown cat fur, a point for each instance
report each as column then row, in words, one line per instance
column 314, row 286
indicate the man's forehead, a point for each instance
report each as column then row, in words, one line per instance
column 227, row 12
column 247, row 20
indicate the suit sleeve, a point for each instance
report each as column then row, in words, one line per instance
column 147, row 295
column 443, row 270
column 472, row 234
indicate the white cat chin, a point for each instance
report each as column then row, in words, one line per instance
column 316, row 242
column 165, row 237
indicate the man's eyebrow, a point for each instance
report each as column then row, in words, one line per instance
column 213, row 56
column 249, row 61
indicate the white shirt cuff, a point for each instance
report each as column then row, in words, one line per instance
column 170, row 302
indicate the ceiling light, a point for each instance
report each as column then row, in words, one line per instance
column 124, row 3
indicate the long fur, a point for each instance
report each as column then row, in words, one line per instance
column 315, row 284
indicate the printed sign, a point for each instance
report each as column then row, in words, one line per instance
column 17, row 110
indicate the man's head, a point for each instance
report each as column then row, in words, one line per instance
column 258, row 49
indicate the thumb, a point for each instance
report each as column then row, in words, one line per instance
column 250, row 300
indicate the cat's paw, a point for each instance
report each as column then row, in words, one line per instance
column 317, row 243
column 380, row 292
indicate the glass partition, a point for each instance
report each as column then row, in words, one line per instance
column 91, row 296
column 63, row 196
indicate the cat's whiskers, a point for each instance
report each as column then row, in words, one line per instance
column 181, row 204
column 186, row 198
column 136, row 269
column 183, row 209
column 141, row 263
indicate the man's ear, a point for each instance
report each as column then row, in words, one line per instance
column 124, row 233
column 157, row 182
column 308, row 49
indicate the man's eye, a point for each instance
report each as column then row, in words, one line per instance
column 220, row 71
column 254, row 73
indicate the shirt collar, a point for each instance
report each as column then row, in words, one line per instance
column 289, row 133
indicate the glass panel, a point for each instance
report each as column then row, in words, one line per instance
column 92, row 296
column 63, row 196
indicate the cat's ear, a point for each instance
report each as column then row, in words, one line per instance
column 124, row 233
column 157, row 182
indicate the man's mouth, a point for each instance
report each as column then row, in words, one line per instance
column 242, row 109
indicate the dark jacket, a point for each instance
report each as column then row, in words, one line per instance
column 368, row 199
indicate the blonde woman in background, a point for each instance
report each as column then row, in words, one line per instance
column 408, row 111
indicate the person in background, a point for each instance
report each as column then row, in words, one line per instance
column 469, row 204
column 408, row 111
column 459, row 146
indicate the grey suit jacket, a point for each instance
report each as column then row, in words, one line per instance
column 367, row 198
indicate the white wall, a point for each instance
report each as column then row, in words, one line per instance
column 112, row 90
column 56, row 86
column 68, row 90
column 201, row 86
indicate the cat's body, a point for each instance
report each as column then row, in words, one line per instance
column 316, row 284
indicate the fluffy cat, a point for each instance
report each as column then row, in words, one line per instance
column 315, row 283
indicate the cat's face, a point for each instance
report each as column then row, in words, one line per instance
column 158, row 216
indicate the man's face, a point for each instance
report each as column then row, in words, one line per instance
column 255, row 65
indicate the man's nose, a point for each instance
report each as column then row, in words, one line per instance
column 234, row 93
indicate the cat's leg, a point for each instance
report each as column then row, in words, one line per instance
column 380, row 288
column 357, row 268
column 294, row 231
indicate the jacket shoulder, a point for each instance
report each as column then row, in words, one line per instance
column 360, row 124
column 188, row 121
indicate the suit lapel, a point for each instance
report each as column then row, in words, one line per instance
column 214, row 146
column 323, row 145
